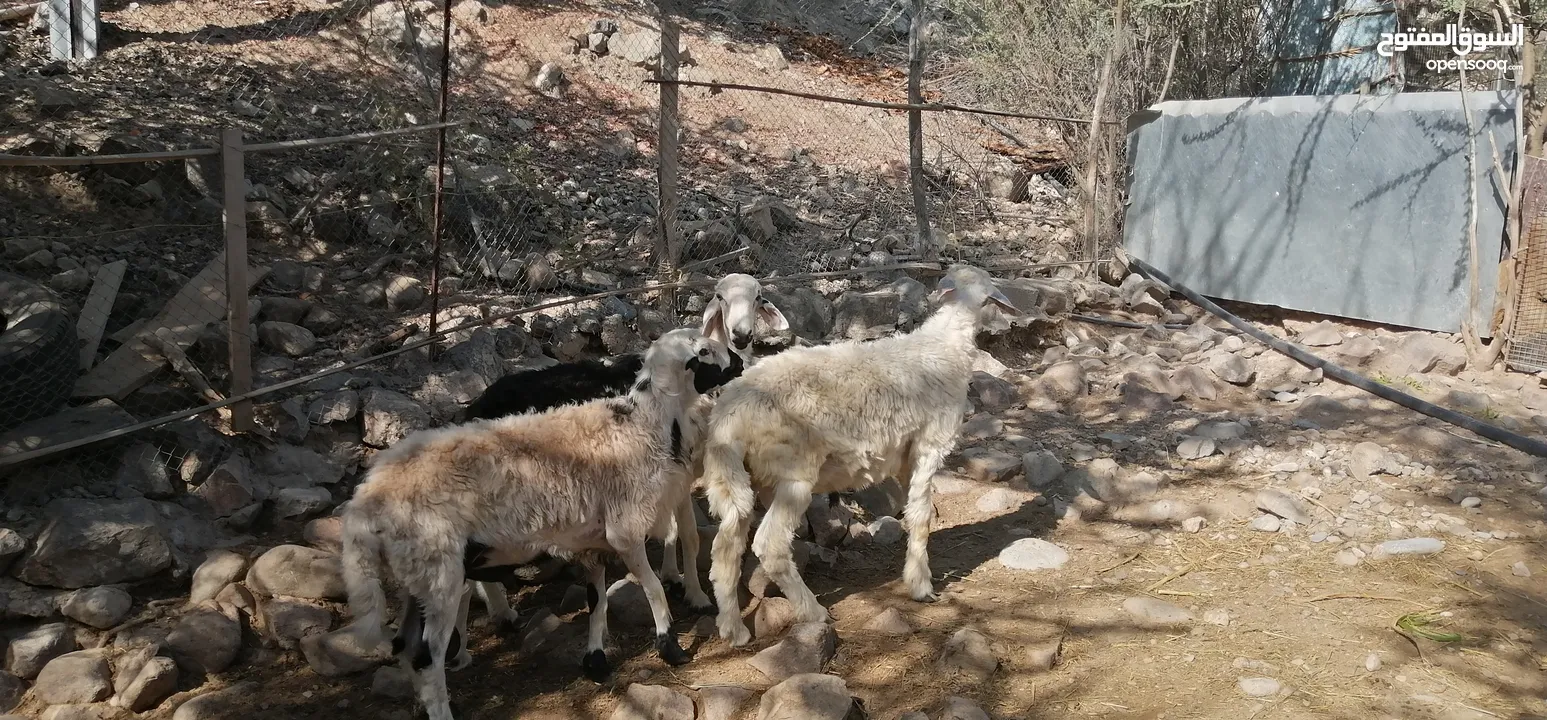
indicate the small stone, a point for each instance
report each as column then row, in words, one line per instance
column 1284, row 505
column 805, row 649
column 988, row 465
column 889, row 622
column 1194, row 524
column 298, row 571
column 291, row 621
column 1195, row 448
column 392, row 682
column 1520, row 569
column 1217, row 617
column 155, row 681
column 221, row 704
column 1471, row 502
column 340, row 653
column 1410, row 546
column 292, row 340
column 1156, row 612
column 774, row 615
column 334, row 407
column 220, row 569
column 1371, row 662
column 722, row 702
column 27, row 654
column 808, row 696
column 1042, row 656
column 969, row 653
column 1041, row 468
column 1322, row 334
column 886, row 531
column 404, row 293
column 1266, row 523
column 99, row 607
column 75, row 678
column 1033, row 554
column 302, row 503
column 205, row 640
column 1260, row 687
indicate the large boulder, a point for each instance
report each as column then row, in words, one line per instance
column 97, row 542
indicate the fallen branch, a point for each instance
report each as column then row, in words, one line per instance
column 174, row 355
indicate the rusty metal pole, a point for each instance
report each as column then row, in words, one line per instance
column 440, row 170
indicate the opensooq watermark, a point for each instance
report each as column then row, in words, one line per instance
column 1461, row 42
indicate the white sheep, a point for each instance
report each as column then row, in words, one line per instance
column 599, row 476
column 833, row 418
column 732, row 315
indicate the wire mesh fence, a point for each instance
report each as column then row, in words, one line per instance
column 580, row 167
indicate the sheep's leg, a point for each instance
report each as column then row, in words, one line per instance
column 687, row 539
column 457, row 644
column 438, row 598
column 638, row 564
column 926, row 461
column 594, row 664
column 772, row 546
column 506, row 619
column 670, row 574
column 734, row 510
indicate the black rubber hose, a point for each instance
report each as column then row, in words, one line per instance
column 1492, row 432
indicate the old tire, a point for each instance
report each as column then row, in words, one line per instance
column 38, row 362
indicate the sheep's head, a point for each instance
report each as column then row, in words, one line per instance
column 972, row 287
column 738, row 303
column 686, row 358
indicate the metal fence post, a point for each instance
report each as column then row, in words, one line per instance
column 669, row 242
column 926, row 241
column 234, row 191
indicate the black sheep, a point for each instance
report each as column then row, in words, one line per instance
column 550, row 387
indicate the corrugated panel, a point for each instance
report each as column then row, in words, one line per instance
column 1327, row 47
column 1342, row 205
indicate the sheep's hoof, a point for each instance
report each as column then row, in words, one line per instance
column 595, row 666
column 675, row 589
column 670, row 651
column 704, row 606
column 735, row 632
column 508, row 625
column 459, row 662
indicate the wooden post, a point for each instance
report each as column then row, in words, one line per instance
column 85, row 27
column 1093, row 145
column 924, row 241
column 669, row 243
column 73, row 29
column 234, row 190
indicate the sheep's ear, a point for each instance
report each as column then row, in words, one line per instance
column 942, row 294
column 769, row 313
column 714, row 323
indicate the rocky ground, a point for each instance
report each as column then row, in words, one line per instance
column 1137, row 523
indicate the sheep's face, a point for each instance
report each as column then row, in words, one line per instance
column 686, row 357
column 731, row 316
column 973, row 287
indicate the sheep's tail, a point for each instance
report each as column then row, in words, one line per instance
column 362, row 562
column 727, row 485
